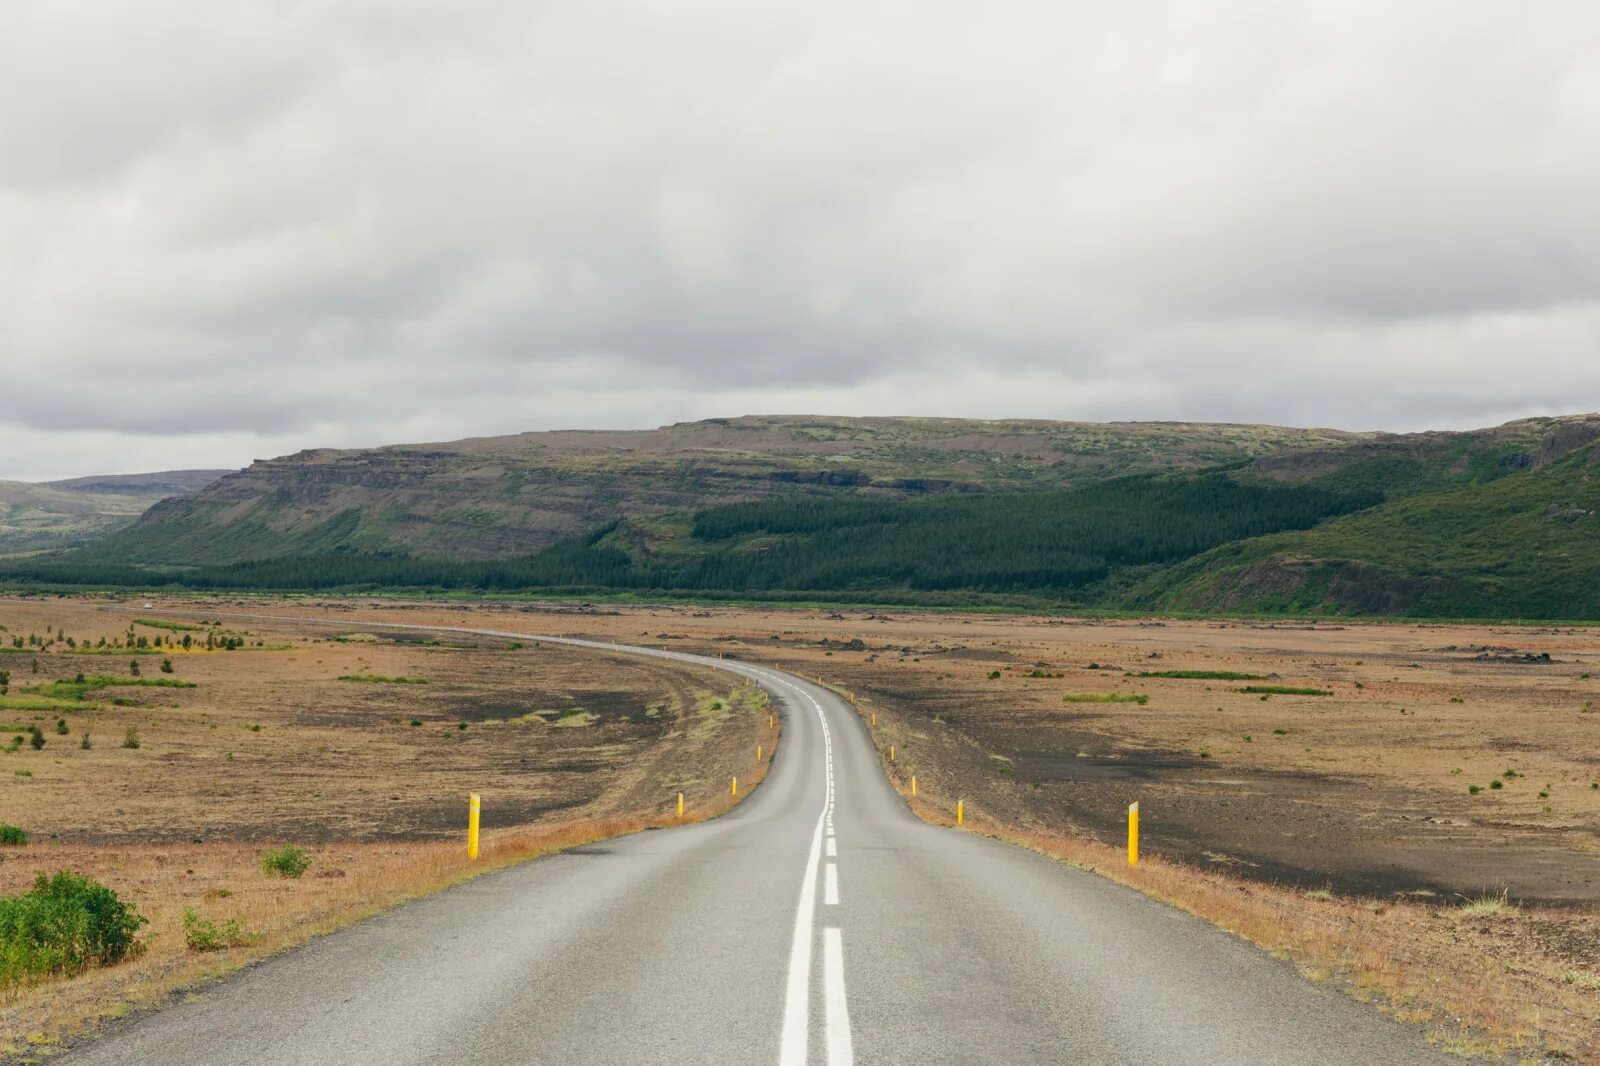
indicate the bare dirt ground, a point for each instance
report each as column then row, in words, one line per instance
column 269, row 745
column 1338, row 829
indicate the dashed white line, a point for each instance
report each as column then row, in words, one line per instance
column 796, row 1008
column 833, row 848
column 830, row 886
column 837, row 1014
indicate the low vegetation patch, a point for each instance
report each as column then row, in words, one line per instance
column 176, row 627
column 287, row 861
column 61, row 927
column 203, row 934
column 1203, row 675
column 1106, row 697
column 79, row 688
column 1285, row 690
column 13, row 835
column 380, row 679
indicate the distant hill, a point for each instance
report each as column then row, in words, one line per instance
column 1492, row 523
column 62, row 514
column 1522, row 546
column 498, row 497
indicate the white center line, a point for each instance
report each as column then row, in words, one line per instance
column 796, row 1018
column 833, row 848
column 840, row 1051
column 830, row 890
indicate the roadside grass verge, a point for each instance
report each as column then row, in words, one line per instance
column 1106, row 697
column 176, row 627
column 240, row 916
column 1203, row 675
column 1442, row 966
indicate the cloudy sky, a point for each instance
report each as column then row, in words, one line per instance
column 233, row 230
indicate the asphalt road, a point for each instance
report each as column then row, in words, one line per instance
column 819, row 922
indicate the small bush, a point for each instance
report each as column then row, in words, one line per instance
column 61, row 727
column 166, row 666
column 130, row 739
column 36, row 737
column 287, row 861
column 84, row 743
column 62, row 926
column 12, row 834
column 1473, row 790
column 1496, row 784
column 202, row 934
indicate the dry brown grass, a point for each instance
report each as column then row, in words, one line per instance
column 1478, row 976
column 336, row 766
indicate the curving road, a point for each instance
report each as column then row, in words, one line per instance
column 819, row 922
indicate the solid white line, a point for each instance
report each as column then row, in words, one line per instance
column 830, row 890
column 840, row 1051
column 833, row 847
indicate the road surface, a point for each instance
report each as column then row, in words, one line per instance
column 819, row 922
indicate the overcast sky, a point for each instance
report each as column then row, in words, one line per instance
column 233, row 230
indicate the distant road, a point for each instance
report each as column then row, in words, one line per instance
column 819, row 922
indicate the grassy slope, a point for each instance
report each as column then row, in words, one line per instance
column 1523, row 546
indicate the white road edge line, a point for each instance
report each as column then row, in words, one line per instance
column 840, row 1050
column 830, row 889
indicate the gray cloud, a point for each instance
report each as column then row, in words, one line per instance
column 229, row 231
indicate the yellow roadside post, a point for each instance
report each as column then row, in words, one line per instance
column 735, row 786
column 891, row 753
column 1133, row 833
column 680, row 805
column 474, row 805
column 874, row 719
column 913, row 786
column 758, row 753
column 961, row 811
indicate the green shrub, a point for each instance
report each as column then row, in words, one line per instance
column 1495, row 783
column 1105, row 697
column 84, row 743
column 61, row 727
column 287, row 861
column 130, row 739
column 11, row 834
column 202, row 934
column 62, row 926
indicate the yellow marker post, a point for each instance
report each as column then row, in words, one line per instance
column 891, row 753
column 1133, row 833
column 758, row 753
column 474, row 806
column 735, row 786
column 874, row 719
column 913, row 786
column 961, row 811
column 680, row 805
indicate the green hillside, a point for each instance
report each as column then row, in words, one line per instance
column 507, row 497
column 1521, row 546
column 63, row 514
